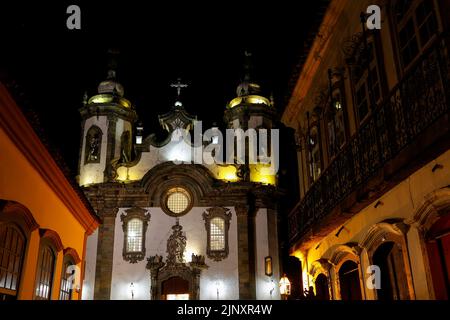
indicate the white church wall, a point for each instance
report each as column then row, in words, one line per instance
column 93, row 172
column 224, row 274
column 89, row 271
column 264, row 283
column 159, row 229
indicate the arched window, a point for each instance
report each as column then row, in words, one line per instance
column 134, row 226
column 16, row 225
column 135, row 233
column 45, row 272
column 12, row 250
column 416, row 25
column 67, row 279
column 93, row 144
column 217, row 234
column 48, row 251
column 217, row 223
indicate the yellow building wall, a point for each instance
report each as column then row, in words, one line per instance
column 401, row 202
column 20, row 182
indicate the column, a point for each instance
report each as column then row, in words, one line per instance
column 246, row 252
column 105, row 252
column 369, row 294
column 421, row 276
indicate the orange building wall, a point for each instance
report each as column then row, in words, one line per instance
column 20, row 182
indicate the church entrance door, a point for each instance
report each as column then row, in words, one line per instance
column 175, row 288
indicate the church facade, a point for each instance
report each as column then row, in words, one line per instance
column 177, row 223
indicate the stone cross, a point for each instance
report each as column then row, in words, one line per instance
column 178, row 85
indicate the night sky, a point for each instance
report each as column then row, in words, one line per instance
column 201, row 42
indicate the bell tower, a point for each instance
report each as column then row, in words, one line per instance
column 107, row 120
column 249, row 109
column 250, row 112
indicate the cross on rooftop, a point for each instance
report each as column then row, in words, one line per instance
column 178, row 85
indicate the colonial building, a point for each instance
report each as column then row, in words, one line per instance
column 44, row 219
column 371, row 111
column 175, row 225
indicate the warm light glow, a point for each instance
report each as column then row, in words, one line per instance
column 268, row 266
column 107, row 98
column 178, row 200
column 257, row 100
column 227, row 173
column 253, row 99
column 90, row 175
column 138, row 139
column 234, row 102
column 261, row 173
column 126, row 174
column 285, row 286
column 122, row 174
column 183, row 296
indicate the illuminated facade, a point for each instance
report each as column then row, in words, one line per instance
column 44, row 219
column 371, row 108
column 174, row 227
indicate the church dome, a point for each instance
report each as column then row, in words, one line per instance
column 110, row 85
column 247, row 88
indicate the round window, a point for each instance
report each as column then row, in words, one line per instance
column 177, row 201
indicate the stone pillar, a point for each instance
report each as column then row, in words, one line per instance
column 105, row 252
column 334, row 282
column 110, row 147
column 421, row 275
column 246, row 252
column 370, row 294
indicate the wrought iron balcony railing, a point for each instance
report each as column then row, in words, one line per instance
column 415, row 103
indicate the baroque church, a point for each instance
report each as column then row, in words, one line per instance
column 174, row 227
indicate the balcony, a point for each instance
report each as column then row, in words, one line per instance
column 409, row 128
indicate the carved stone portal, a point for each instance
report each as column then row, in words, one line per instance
column 175, row 266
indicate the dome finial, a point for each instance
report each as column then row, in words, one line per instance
column 113, row 55
column 247, row 65
column 110, row 85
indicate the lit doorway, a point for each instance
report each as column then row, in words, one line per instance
column 175, row 288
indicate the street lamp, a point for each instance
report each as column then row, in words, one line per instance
column 285, row 287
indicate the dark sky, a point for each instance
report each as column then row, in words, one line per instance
column 201, row 41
